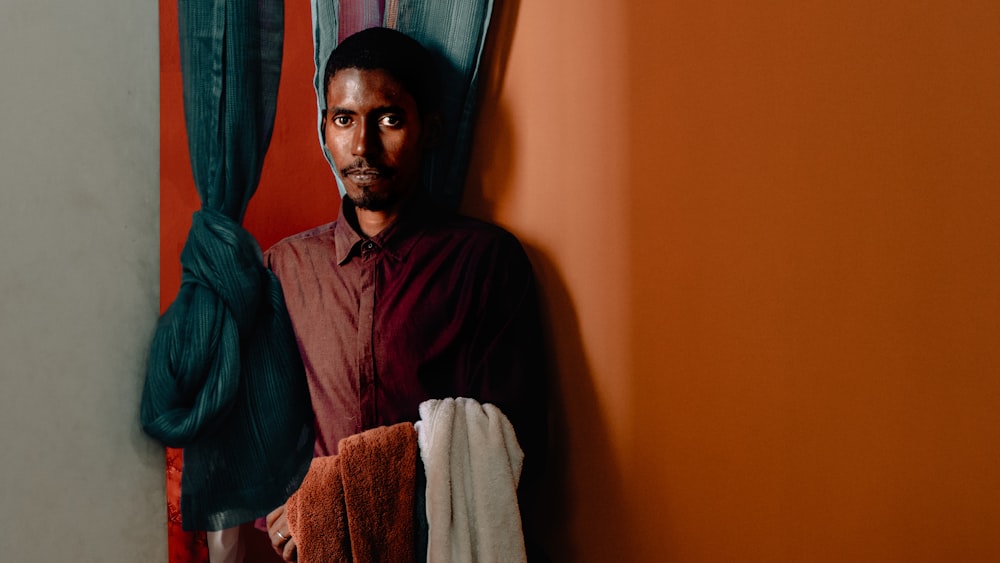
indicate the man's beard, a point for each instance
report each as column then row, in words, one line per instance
column 368, row 199
column 372, row 201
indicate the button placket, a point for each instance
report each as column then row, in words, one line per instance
column 366, row 316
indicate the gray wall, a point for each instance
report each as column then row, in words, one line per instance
column 79, row 128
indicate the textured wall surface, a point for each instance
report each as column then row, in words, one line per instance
column 78, row 280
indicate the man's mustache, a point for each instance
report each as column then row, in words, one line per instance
column 364, row 166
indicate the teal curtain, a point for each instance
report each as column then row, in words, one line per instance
column 455, row 32
column 224, row 379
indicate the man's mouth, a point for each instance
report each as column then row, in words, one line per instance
column 366, row 175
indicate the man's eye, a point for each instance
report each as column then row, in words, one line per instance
column 342, row 120
column 390, row 121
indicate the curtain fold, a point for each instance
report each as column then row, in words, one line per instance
column 224, row 379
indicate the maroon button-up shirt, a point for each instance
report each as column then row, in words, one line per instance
column 436, row 305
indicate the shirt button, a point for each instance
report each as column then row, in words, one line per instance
column 369, row 245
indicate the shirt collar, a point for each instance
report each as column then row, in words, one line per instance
column 396, row 240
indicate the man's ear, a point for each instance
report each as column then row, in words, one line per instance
column 322, row 125
column 433, row 130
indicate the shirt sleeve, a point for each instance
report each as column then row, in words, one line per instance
column 510, row 364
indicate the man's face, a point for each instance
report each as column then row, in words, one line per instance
column 374, row 133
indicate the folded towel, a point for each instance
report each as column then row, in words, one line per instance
column 317, row 517
column 378, row 470
column 358, row 505
column 473, row 463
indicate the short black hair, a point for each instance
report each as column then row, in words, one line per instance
column 404, row 58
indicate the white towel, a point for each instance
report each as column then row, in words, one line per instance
column 473, row 464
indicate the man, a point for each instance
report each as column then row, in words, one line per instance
column 398, row 301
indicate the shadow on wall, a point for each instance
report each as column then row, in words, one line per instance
column 493, row 156
column 580, row 474
column 582, row 482
column 580, row 463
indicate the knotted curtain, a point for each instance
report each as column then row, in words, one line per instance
column 224, row 379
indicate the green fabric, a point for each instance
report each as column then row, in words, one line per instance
column 455, row 32
column 225, row 380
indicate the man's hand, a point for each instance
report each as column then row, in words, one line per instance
column 281, row 536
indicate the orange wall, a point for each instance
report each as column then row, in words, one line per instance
column 768, row 245
column 770, row 234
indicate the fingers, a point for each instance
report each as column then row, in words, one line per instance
column 279, row 540
column 281, row 535
column 278, row 531
column 291, row 551
column 274, row 515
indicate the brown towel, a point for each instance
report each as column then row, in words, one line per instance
column 358, row 505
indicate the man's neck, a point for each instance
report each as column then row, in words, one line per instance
column 372, row 223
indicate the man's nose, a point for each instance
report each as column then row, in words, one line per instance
column 366, row 139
